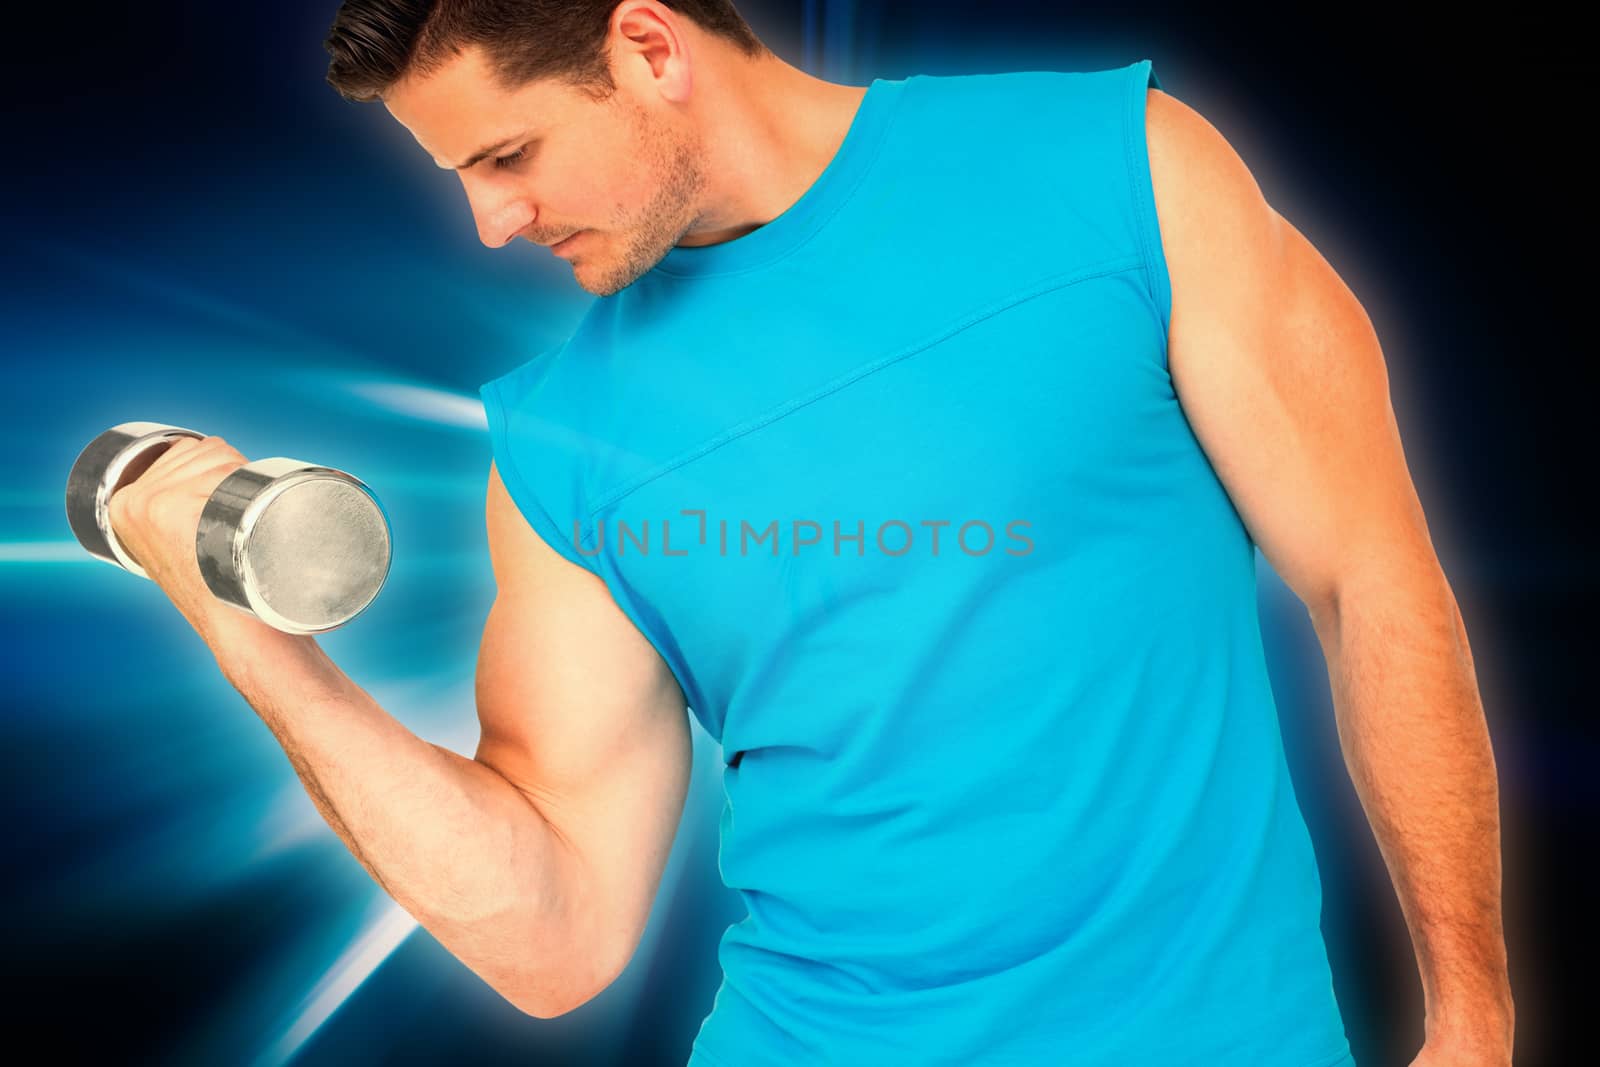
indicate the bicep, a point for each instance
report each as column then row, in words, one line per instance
column 1279, row 372
column 579, row 712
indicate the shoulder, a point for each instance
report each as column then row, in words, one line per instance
column 519, row 387
column 1191, row 162
column 1217, row 228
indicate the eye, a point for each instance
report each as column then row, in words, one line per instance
column 502, row 162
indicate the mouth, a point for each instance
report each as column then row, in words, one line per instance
column 566, row 241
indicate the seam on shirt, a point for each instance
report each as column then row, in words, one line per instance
column 1342, row 1056
column 1133, row 140
column 518, row 488
column 1119, row 265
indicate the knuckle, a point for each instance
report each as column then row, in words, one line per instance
column 172, row 453
column 220, row 445
column 162, row 507
column 125, row 507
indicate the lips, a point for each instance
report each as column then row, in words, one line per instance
column 561, row 246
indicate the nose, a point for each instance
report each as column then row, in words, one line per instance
column 499, row 214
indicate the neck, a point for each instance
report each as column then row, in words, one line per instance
column 768, row 130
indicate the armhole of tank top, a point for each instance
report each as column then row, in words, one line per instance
column 1143, row 77
column 521, row 492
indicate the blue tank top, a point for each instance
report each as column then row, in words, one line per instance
column 898, row 485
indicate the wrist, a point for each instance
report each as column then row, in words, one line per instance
column 251, row 654
column 1477, row 1023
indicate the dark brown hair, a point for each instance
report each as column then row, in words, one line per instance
column 374, row 43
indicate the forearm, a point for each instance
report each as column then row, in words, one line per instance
column 452, row 841
column 1414, row 736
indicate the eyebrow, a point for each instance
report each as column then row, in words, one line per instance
column 486, row 151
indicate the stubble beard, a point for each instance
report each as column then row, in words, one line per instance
column 674, row 160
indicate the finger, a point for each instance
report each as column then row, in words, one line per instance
column 168, row 458
column 184, row 468
column 199, row 456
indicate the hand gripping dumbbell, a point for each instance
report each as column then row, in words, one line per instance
column 303, row 548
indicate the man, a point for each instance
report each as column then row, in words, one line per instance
column 957, row 407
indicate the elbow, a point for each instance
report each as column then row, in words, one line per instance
column 1322, row 605
column 551, row 999
column 1416, row 593
column 538, row 1009
column 544, row 1007
column 586, row 959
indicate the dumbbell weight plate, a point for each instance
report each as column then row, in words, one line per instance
column 302, row 547
column 109, row 462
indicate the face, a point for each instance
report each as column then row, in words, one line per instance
column 627, row 179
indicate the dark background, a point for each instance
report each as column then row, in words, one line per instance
column 199, row 231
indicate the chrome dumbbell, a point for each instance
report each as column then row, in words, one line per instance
column 303, row 548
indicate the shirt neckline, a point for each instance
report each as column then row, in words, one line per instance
column 802, row 218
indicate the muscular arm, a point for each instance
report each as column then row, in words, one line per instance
column 536, row 862
column 456, row 845
column 1281, row 376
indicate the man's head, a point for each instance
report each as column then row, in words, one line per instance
column 581, row 104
